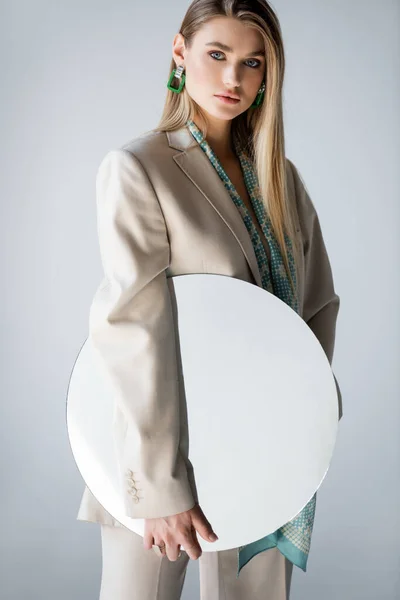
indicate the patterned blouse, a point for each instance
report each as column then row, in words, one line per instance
column 293, row 539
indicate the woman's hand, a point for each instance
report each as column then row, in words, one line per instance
column 176, row 530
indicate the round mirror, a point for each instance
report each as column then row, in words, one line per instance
column 262, row 410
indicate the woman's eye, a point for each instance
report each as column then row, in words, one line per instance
column 258, row 63
column 250, row 59
column 211, row 54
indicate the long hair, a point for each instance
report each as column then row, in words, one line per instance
column 259, row 129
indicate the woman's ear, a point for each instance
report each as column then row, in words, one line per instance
column 178, row 48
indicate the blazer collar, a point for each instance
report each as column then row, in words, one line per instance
column 197, row 167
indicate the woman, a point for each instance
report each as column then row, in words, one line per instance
column 208, row 191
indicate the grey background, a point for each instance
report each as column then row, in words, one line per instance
column 81, row 78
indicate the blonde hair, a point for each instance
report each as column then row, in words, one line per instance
column 259, row 130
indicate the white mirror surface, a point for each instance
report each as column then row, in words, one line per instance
column 262, row 410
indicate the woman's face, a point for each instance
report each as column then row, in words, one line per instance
column 211, row 70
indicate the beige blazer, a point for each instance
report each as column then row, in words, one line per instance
column 163, row 211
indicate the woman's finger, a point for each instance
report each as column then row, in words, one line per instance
column 148, row 540
column 173, row 551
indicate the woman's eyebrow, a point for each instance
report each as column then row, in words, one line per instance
column 260, row 52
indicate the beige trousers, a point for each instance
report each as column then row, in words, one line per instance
column 132, row 573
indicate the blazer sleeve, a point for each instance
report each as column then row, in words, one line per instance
column 321, row 302
column 132, row 331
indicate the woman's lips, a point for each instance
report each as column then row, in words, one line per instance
column 227, row 100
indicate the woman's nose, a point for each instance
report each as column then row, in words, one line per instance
column 231, row 77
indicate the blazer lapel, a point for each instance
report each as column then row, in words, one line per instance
column 196, row 165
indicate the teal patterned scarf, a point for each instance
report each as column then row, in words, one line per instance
column 294, row 538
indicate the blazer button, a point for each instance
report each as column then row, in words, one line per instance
column 132, row 489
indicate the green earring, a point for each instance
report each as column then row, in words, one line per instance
column 179, row 74
column 259, row 97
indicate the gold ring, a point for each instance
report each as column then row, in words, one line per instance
column 162, row 547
